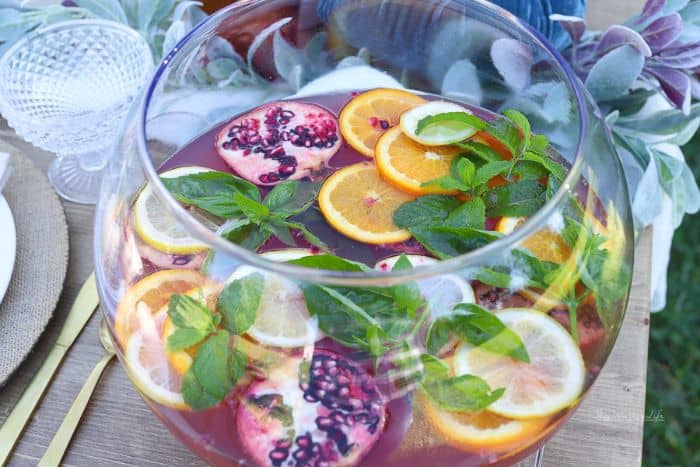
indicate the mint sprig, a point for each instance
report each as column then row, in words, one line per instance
column 219, row 363
column 478, row 327
column 384, row 320
column 250, row 220
column 466, row 393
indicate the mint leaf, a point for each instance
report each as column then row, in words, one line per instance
column 458, row 122
column 211, row 365
column 470, row 214
column 520, row 199
column 211, row 191
column 245, row 233
column 308, row 235
column 237, row 362
column 280, row 195
column 184, row 338
column 463, row 170
column 425, row 211
column 529, row 170
column 194, row 393
column 505, row 131
column 481, row 328
column 547, row 164
column 282, row 232
column 291, row 198
column 435, row 369
column 340, row 318
column 438, row 335
column 252, row 209
column 256, row 238
column 447, row 182
column 523, row 124
column 330, row 263
column 186, row 312
column 239, row 302
column 490, row 170
column 408, row 294
column 447, row 242
column 375, row 341
column 465, row 393
column 496, row 276
column 539, row 143
column 483, row 151
column 552, row 187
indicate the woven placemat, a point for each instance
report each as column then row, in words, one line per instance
column 42, row 260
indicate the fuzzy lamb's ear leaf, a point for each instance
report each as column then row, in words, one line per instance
column 619, row 35
column 682, row 57
column 261, row 37
column 514, row 61
column 663, row 31
column 575, row 26
column 675, row 85
column 286, row 56
column 651, row 9
column 462, row 81
column 107, row 9
column 175, row 32
column 615, row 73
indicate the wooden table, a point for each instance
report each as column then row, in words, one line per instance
column 119, row 429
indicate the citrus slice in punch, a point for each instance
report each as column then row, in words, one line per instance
column 360, row 204
column 366, row 117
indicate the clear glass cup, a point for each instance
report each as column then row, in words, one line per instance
column 66, row 88
column 467, row 51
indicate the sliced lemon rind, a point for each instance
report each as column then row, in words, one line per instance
column 567, row 351
column 150, row 234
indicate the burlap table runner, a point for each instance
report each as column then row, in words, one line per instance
column 42, row 260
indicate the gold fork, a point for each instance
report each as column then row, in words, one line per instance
column 56, row 450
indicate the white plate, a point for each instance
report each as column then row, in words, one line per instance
column 7, row 246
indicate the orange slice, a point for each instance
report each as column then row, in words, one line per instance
column 365, row 118
column 181, row 360
column 153, row 291
column 479, row 431
column 546, row 244
column 407, row 164
column 358, row 203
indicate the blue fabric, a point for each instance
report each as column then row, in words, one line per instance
column 535, row 12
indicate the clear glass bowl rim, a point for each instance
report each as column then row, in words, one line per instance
column 122, row 28
column 369, row 278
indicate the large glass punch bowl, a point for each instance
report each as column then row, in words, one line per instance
column 321, row 369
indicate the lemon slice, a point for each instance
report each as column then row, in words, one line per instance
column 436, row 135
column 552, row 381
column 147, row 363
column 157, row 227
column 283, row 319
column 442, row 292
